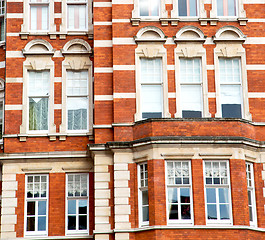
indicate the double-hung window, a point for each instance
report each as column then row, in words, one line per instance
column 191, row 87
column 251, row 194
column 151, row 88
column 36, row 205
column 230, row 87
column 2, row 20
column 77, row 15
column 38, row 97
column 187, row 8
column 179, row 204
column 217, row 188
column 77, row 100
column 39, row 15
column 149, row 8
column 77, row 204
column 143, row 194
column 226, row 8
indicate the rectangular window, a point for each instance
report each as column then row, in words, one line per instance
column 77, row 100
column 39, row 15
column 179, row 192
column 1, row 119
column 191, row 87
column 149, row 8
column 187, row 8
column 143, row 194
column 230, row 87
column 226, row 7
column 36, row 204
column 77, row 203
column 217, row 187
column 77, row 15
column 151, row 88
column 2, row 20
column 2, row 7
column 251, row 194
column 38, row 94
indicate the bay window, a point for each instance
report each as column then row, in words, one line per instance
column 77, row 204
column 251, row 194
column 217, row 192
column 77, row 14
column 191, row 87
column 143, row 194
column 179, row 203
column 77, row 100
column 230, row 87
column 36, row 205
column 39, row 15
column 151, row 87
column 38, row 100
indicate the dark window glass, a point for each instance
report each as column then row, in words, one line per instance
column 231, row 111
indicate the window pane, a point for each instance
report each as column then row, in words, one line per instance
column 191, row 98
column 77, row 113
column 193, row 7
column 149, row 7
column 42, row 208
column 38, row 113
column 211, row 212
column 30, row 223
column 224, row 211
column 151, row 99
column 31, row 208
column 82, row 206
column 185, row 212
column 250, row 213
column 41, row 223
column 71, row 206
column 145, row 197
column 182, row 5
column 231, row 8
column 77, row 17
column 145, row 213
column 151, row 70
column 173, row 195
column 39, row 17
column 173, row 212
column 71, row 222
column 83, row 222
column 223, row 195
column 77, row 83
column 210, row 194
column 249, row 198
column 184, row 195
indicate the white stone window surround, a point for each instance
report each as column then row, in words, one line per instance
column 63, row 26
column 142, row 188
column 251, row 190
column 76, row 54
column 189, row 40
column 201, row 13
column 218, row 221
column 178, row 187
column 229, row 40
column 150, row 42
column 240, row 16
column 77, row 198
column 38, row 55
column 36, row 233
column 25, row 27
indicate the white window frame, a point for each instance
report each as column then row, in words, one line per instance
column 36, row 233
column 25, row 27
column 231, row 47
column 191, row 47
column 2, row 20
column 76, row 232
column 38, row 96
column 64, row 25
column 218, row 221
column 151, row 47
column 79, row 96
column 42, row 63
column 136, row 12
column 179, row 186
column 33, row 4
column 77, row 61
column 140, row 190
column 251, row 189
